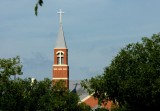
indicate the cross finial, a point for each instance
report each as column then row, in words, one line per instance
column 60, row 13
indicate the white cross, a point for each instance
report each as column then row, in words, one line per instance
column 60, row 13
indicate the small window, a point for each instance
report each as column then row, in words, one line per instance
column 60, row 57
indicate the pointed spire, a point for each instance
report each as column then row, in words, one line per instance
column 61, row 43
column 75, row 88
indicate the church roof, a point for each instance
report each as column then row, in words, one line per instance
column 85, row 97
column 61, row 43
column 78, row 89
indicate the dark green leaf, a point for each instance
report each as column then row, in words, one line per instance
column 36, row 9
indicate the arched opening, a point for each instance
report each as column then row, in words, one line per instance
column 60, row 57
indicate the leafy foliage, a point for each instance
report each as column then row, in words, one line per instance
column 25, row 94
column 39, row 3
column 133, row 77
column 10, row 67
column 19, row 94
column 101, row 109
column 95, row 86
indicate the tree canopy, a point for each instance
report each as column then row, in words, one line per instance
column 25, row 94
column 10, row 67
column 133, row 77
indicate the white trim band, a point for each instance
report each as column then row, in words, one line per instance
column 60, row 65
column 87, row 97
column 60, row 48
column 60, row 78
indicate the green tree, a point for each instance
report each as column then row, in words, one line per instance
column 10, row 67
column 133, row 77
column 24, row 94
column 12, row 95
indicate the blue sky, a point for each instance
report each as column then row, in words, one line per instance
column 95, row 31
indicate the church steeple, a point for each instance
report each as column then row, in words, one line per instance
column 60, row 66
column 60, row 43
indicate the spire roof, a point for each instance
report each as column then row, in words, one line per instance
column 60, row 43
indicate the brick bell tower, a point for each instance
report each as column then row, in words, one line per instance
column 60, row 67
